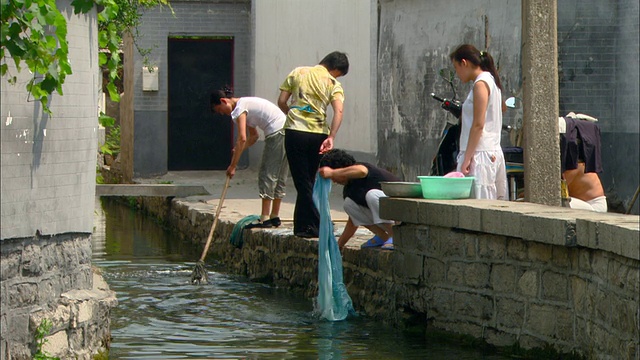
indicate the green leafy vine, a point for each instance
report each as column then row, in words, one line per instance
column 34, row 34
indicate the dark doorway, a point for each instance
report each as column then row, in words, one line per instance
column 198, row 139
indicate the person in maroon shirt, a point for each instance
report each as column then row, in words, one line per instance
column 361, row 193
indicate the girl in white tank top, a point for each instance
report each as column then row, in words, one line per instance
column 480, row 152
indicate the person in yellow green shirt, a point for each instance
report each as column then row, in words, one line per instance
column 304, row 97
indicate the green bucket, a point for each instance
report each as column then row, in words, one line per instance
column 442, row 188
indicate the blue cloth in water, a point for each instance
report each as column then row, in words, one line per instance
column 334, row 302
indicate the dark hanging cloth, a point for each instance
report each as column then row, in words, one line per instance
column 580, row 143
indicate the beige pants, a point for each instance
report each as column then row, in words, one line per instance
column 274, row 168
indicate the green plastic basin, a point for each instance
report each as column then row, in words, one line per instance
column 442, row 188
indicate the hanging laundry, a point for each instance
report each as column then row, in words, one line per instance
column 333, row 302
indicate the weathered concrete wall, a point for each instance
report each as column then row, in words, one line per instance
column 598, row 70
column 192, row 18
column 289, row 33
column 49, row 162
column 416, row 38
column 541, row 143
column 505, row 272
column 598, row 64
column 51, row 278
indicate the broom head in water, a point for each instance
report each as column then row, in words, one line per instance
column 199, row 274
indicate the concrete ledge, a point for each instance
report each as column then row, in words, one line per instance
column 160, row 190
column 616, row 233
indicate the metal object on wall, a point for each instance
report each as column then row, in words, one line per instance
column 149, row 78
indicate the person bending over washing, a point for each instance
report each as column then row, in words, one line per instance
column 581, row 162
column 585, row 189
column 250, row 113
column 361, row 193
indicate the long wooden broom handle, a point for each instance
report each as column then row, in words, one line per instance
column 215, row 220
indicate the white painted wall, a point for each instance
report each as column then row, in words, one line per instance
column 48, row 163
column 291, row 33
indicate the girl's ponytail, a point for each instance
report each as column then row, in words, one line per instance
column 225, row 93
column 478, row 58
column 228, row 91
column 487, row 64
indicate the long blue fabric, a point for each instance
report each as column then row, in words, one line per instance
column 334, row 302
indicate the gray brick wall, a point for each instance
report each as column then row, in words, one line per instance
column 191, row 18
column 586, row 58
column 598, row 64
column 212, row 18
column 627, row 74
column 48, row 162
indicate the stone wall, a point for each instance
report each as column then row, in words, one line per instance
column 51, row 278
column 48, row 176
column 504, row 272
column 517, row 272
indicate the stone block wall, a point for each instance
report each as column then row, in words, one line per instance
column 51, row 278
column 525, row 273
column 507, row 290
column 505, row 272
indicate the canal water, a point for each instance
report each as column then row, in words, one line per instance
column 160, row 315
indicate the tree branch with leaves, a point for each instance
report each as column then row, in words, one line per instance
column 34, row 34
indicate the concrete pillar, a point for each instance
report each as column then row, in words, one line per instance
column 540, row 101
column 126, row 111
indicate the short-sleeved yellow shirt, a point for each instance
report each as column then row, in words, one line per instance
column 312, row 90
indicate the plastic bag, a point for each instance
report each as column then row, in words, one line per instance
column 333, row 302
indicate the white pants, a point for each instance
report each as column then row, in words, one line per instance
column 488, row 168
column 598, row 204
column 362, row 215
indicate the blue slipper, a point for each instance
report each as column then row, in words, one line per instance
column 388, row 245
column 373, row 242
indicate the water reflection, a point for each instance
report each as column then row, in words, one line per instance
column 162, row 316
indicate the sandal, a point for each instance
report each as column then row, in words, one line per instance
column 373, row 242
column 267, row 224
column 273, row 222
column 257, row 224
column 388, row 245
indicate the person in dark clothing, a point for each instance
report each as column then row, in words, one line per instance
column 581, row 162
column 361, row 193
